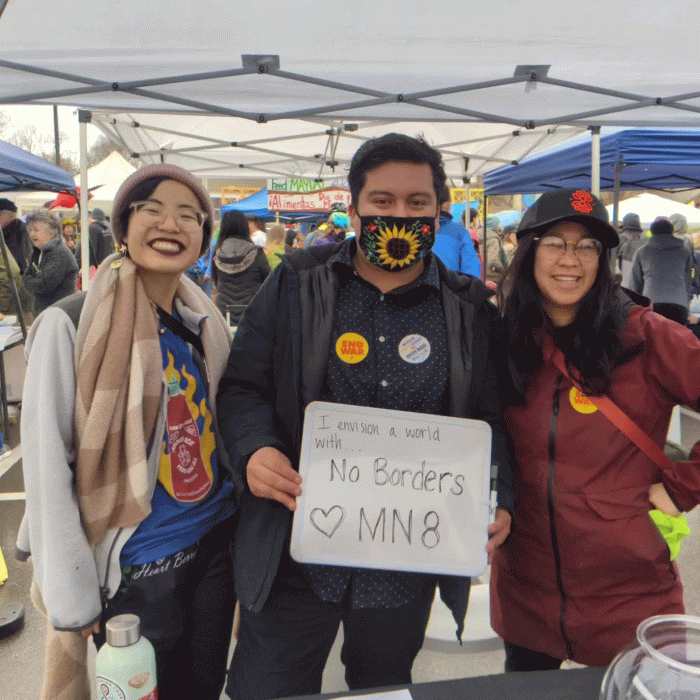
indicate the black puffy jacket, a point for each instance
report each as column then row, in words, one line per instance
column 239, row 268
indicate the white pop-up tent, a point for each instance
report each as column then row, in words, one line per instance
column 648, row 206
column 495, row 81
column 500, row 79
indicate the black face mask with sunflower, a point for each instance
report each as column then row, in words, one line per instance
column 396, row 242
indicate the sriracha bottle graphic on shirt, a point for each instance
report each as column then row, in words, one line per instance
column 190, row 479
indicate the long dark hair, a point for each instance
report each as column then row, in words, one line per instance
column 591, row 344
column 233, row 225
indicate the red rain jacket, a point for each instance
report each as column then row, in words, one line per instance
column 584, row 563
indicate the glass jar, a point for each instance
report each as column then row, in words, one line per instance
column 662, row 664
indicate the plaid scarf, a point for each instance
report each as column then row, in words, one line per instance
column 119, row 374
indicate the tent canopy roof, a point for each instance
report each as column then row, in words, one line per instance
column 20, row 170
column 648, row 159
column 530, row 67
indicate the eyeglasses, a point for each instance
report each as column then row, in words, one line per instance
column 152, row 213
column 587, row 250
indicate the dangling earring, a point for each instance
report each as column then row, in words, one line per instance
column 124, row 253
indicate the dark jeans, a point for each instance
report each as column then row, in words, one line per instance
column 283, row 649
column 185, row 603
column 522, row 659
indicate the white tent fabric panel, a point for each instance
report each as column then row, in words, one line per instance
column 523, row 65
column 202, row 144
column 648, row 206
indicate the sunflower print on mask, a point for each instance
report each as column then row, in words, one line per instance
column 395, row 243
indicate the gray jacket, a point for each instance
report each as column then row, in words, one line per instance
column 662, row 271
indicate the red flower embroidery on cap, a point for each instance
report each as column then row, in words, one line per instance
column 582, row 201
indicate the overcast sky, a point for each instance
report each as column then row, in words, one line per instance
column 42, row 116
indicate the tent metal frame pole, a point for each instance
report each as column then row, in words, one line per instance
column 293, row 114
column 505, row 135
column 467, row 87
column 261, row 65
column 583, row 87
column 619, row 166
column 83, row 119
column 476, row 156
column 481, row 116
column 56, row 142
column 483, row 237
column 495, row 153
column 345, row 87
column 549, row 132
column 113, row 121
column 200, row 106
column 595, row 160
column 574, row 118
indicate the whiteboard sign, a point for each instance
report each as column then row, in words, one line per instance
column 393, row 490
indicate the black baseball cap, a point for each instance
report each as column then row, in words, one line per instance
column 569, row 205
column 7, row 205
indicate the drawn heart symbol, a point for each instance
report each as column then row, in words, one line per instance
column 327, row 521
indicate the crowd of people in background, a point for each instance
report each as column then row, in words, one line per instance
column 665, row 272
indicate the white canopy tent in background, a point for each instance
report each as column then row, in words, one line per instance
column 648, row 206
column 105, row 178
column 224, row 88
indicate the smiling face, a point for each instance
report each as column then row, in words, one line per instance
column 563, row 282
column 164, row 247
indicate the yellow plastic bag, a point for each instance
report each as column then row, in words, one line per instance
column 673, row 529
column 3, row 569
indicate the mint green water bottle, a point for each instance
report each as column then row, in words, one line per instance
column 125, row 667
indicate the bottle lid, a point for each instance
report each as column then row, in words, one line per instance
column 123, row 630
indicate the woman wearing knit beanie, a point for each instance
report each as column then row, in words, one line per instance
column 130, row 506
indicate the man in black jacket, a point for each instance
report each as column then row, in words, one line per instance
column 382, row 287
column 100, row 237
column 15, row 233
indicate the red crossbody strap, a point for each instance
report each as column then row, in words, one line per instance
column 618, row 418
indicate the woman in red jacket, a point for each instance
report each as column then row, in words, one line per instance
column 584, row 563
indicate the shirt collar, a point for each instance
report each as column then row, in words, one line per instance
column 342, row 260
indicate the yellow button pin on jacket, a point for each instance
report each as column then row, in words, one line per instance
column 351, row 348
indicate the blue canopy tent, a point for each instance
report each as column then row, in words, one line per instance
column 20, row 170
column 255, row 205
column 630, row 159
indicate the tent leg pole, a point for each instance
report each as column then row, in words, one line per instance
column 483, row 240
column 616, row 192
column 83, row 118
column 595, row 160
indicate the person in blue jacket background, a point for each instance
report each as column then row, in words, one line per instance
column 453, row 243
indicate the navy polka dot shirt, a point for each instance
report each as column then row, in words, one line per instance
column 403, row 338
